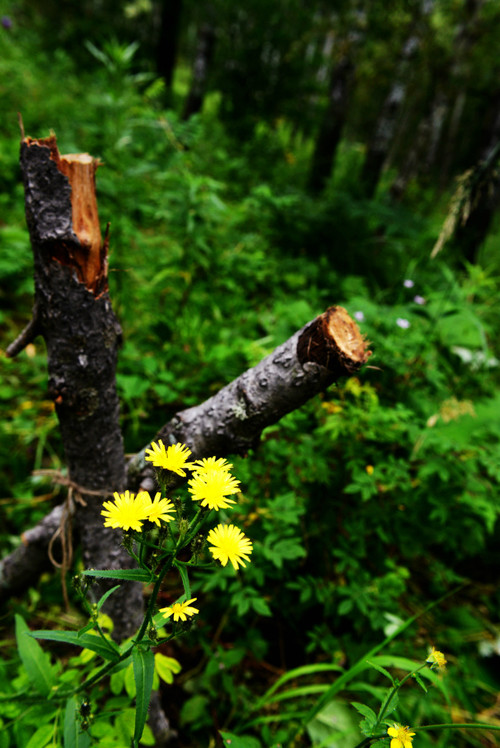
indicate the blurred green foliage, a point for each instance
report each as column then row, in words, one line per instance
column 372, row 500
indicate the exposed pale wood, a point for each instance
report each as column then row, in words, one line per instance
column 87, row 255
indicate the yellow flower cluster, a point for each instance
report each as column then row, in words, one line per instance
column 212, row 481
column 212, row 484
column 128, row 511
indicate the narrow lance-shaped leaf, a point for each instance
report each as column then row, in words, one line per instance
column 185, row 579
column 106, row 595
column 34, row 659
column 74, row 736
column 105, row 649
column 144, row 665
column 130, row 575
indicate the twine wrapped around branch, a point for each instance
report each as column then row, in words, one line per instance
column 65, row 530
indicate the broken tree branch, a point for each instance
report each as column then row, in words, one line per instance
column 230, row 422
column 27, row 336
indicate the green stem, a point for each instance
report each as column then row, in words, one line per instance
column 195, row 525
column 392, row 693
column 105, row 639
column 195, row 564
column 148, row 617
column 97, row 677
column 140, row 635
column 458, row 726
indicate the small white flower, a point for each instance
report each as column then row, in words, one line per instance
column 403, row 323
column 419, row 300
column 359, row 316
column 408, row 283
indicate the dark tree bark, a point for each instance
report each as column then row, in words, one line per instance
column 168, row 42
column 484, row 200
column 333, row 123
column 421, row 156
column 203, row 58
column 464, row 39
column 385, row 129
column 73, row 314
column 21, row 569
column 231, row 422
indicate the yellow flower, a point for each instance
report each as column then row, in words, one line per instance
column 369, row 469
column 436, row 659
column 401, row 736
column 180, row 610
column 127, row 512
column 207, row 463
column 157, row 508
column 173, row 458
column 229, row 544
column 212, row 487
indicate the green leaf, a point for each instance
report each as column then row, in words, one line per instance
column 420, row 682
column 292, row 675
column 34, row 659
column 240, row 741
column 185, row 579
column 88, row 626
column 261, row 607
column 4, row 737
column 104, row 648
column 390, row 704
column 382, row 670
column 74, row 736
column 131, row 575
column 144, row 665
column 106, row 595
column 42, row 737
column 166, row 667
column 129, row 681
column 194, row 709
column 344, row 607
column 116, row 682
column 365, row 711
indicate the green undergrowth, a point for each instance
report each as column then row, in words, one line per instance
column 374, row 499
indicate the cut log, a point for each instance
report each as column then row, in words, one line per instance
column 231, row 422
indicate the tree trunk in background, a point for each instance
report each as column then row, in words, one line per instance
column 203, row 57
column 385, row 128
column 166, row 54
column 333, row 123
column 73, row 313
column 428, row 151
column 437, row 118
column 485, row 199
column 464, row 39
